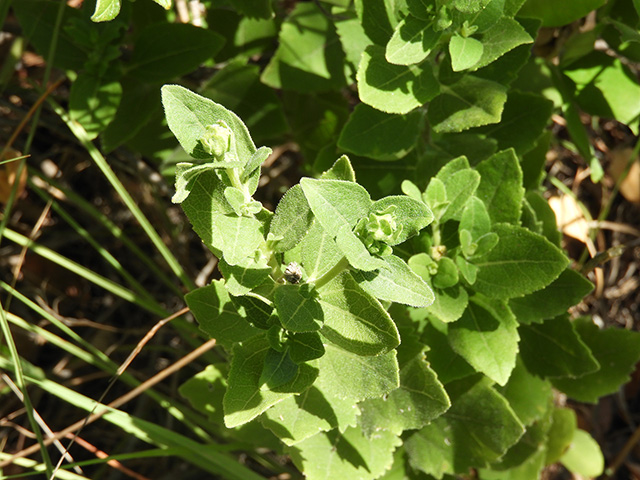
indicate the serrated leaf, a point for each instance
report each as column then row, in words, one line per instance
column 616, row 350
column 302, row 416
column 335, row 202
column 319, row 252
column 218, row 316
column 419, row 399
column 355, row 251
column 447, row 364
column 530, row 396
column 354, row 320
column 93, row 102
column 106, row 10
column 553, row 300
column 164, row 51
column 449, row 303
column 541, row 355
column 503, row 36
column 486, row 336
column 298, row 308
column 501, row 186
column 244, row 277
column 452, row 443
column 348, row 375
column 244, row 400
column 378, row 135
column 188, row 115
column 309, row 57
column 524, row 118
column 470, row 102
column 393, row 88
column 412, row 41
column 331, row 455
column 292, row 220
column 518, row 250
column 396, row 282
column 465, row 52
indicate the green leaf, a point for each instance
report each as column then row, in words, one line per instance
column 396, row 283
column 355, row 251
column 335, row 202
column 292, row 220
column 253, row 8
column 584, row 456
column 449, row 303
column 465, row 52
column 524, row 118
column 452, row 443
column 309, row 57
column 615, row 349
column 244, row 400
column 297, row 308
column 501, row 186
column 448, row 365
column 378, row 135
column 470, row 102
column 164, row 51
column 237, row 86
column 475, row 219
column 166, row 4
column 518, row 250
column 299, row 417
column 486, row 336
column 218, row 316
column 411, row 42
column 238, row 238
column 348, row 375
column 539, row 347
column 352, row 35
column 305, row 346
column 106, row 10
column 377, row 18
column 410, row 215
column 277, row 370
column 556, row 15
column 563, row 426
column 340, row 170
column 93, row 102
column 459, row 187
column 528, row 395
column 419, row 399
column 503, row 36
column 319, row 252
column 393, row 88
column 354, row 320
column 447, row 275
column 331, row 455
column 553, row 300
column 189, row 114
column 244, row 277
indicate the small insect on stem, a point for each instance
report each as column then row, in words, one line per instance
column 293, row 273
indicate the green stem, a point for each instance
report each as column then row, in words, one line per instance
column 338, row 268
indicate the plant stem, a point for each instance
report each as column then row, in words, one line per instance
column 338, row 268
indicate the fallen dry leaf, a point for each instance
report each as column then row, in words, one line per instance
column 630, row 185
column 570, row 218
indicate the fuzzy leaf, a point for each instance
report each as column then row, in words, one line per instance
column 319, row 252
column 355, row 251
column 244, row 277
column 218, row 316
column 297, row 308
column 340, row 170
column 541, row 355
column 411, row 42
column 393, row 88
column 518, row 250
column 419, row 399
column 501, row 186
column 503, row 36
column 354, row 320
column 477, row 429
column 396, row 282
column 292, row 220
column 378, row 135
column 244, row 399
column 410, row 215
column 616, row 350
column 470, row 102
column 486, row 336
column 465, row 52
column 331, row 455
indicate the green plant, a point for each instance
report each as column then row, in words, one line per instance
column 412, row 323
